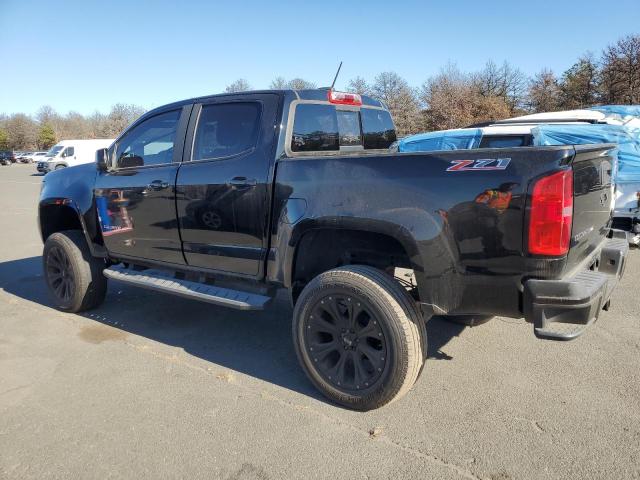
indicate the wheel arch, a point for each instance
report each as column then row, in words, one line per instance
column 59, row 214
column 320, row 245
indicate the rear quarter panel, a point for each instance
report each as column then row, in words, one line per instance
column 467, row 251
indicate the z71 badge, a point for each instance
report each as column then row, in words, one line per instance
column 480, row 164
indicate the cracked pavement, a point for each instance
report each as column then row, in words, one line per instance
column 153, row 386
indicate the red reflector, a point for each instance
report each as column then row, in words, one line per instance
column 551, row 214
column 342, row 98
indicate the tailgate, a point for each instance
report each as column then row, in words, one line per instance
column 593, row 199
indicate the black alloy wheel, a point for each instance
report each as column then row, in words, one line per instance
column 60, row 274
column 346, row 341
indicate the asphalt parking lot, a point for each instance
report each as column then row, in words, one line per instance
column 153, row 386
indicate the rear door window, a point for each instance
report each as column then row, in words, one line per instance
column 226, row 129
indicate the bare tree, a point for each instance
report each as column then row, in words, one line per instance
column 544, row 92
column 300, row 84
column 452, row 100
column 359, row 85
column 95, row 124
column 22, row 131
column 76, row 125
column 240, row 85
column 506, row 82
column 620, row 66
column 46, row 114
column 279, row 83
column 401, row 100
column 119, row 118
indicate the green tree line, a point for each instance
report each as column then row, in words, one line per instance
column 449, row 99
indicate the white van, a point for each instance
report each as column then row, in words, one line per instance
column 69, row 153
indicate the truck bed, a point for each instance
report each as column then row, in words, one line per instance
column 469, row 252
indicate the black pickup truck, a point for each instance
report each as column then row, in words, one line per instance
column 228, row 198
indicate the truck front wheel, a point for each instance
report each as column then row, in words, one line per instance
column 74, row 277
column 359, row 336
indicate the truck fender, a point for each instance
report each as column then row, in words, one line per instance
column 59, row 204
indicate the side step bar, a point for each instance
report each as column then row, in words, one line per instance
column 162, row 282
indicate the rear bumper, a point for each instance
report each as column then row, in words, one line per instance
column 563, row 309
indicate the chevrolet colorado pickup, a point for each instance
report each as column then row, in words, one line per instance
column 228, row 198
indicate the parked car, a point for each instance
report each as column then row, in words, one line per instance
column 70, row 153
column 37, row 156
column 7, row 157
column 24, row 157
column 598, row 125
column 227, row 198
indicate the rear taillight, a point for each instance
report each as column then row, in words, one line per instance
column 551, row 214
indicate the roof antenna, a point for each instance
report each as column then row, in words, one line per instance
column 336, row 77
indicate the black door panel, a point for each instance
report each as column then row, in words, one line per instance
column 140, row 218
column 136, row 198
column 222, row 195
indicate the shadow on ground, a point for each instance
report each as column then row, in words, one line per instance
column 254, row 343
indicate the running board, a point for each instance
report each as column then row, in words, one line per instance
column 162, row 282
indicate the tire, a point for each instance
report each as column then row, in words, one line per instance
column 60, row 167
column 469, row 320
column 369, row 333
column 73, row 276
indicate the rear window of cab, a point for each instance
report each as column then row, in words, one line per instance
column 319, row 127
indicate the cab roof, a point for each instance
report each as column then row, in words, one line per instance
column 318, row 94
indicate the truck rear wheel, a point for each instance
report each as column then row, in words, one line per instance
column 74, row 277
column 359, row 336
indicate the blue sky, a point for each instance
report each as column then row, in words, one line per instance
column 87, row 55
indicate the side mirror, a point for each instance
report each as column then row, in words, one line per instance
column 101, row 159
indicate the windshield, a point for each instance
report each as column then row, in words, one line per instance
column 54, row 150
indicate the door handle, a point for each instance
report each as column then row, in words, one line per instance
column 157, row 185
column 242, row 182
